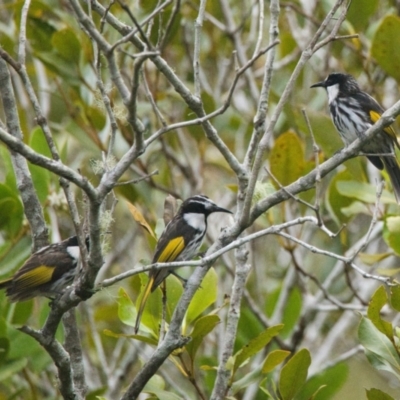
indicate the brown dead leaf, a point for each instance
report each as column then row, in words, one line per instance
column 170, row 207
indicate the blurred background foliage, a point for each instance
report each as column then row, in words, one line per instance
column 286, row 282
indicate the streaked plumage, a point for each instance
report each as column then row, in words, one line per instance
column 179, row 241
column 46, row 273
column 353, row 112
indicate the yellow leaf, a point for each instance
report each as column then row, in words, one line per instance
column 232, row 187
column 138, row 217
column 371, row 259
column 287, row 158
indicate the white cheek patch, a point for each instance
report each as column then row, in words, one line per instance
column 74, row 252
column 195, row 220
column 333, row 92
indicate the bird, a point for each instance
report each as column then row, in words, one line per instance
column 46, row 272
column 353, row 112
column 179, row 241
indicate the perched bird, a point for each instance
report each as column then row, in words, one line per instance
column 353, row 112
column 179, row 241
column 46, row 273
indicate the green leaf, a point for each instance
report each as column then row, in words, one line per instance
column 164, row 394
column 378, row 300
column 156, row 386
column 96, row 394
column 255, row 345
column 380, row 363
column 96, row 116
column 38, row 142
column 294, row 374
column 40, row 176
column 23, row 346
column 40, row 25
column 384, row 46
column 209, row 102
column 364, row 192
column 145, row 339
column 9, row 369
column 67, row 45
column 395, row 297
column 22, row 312
column 244, row 382
column 336, row 201
column 13, row 256
column 174, row 293
column 292, row 311
column 325, row 384
column 202, row 327
column 4, row 349
column 377, row 343
column 126, row 309
column 376, row 394
column 287, row 158
column 3, row 328
column 203, row 298
column 12, row 212
column 391, row 233
column 54, row 62
column 152, row 312
column 7, row 168
column 356, row 208
column 273, row 359
column 360, row 12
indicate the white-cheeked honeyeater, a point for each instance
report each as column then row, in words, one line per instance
column 353, row 112
column 180, row 241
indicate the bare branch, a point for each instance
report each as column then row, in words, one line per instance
column 61, row 359
column 33, row 209
column 221, row 386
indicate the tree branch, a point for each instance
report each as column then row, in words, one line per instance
column 32, row 207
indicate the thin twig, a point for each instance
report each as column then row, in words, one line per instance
column 137, row 180
column 316, row 150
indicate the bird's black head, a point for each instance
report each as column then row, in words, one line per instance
column 73, row 241
column 200, row 204
column 344, row 83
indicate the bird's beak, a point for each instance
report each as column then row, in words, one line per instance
column 220, row 209
column 318, row 84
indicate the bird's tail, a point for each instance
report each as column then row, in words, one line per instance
column 393, row 169
column 143, row 301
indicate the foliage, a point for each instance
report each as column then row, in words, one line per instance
column 121, row 104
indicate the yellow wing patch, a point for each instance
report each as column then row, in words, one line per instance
column 172, row 250
column 35, row 277
column 389, row 129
